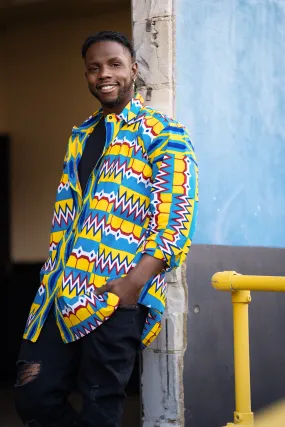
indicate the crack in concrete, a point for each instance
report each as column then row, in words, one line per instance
column 143, row 62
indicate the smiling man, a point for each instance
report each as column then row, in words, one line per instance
column 124, row 215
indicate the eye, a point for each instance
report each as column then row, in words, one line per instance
column 115, row 64
column 93, row 69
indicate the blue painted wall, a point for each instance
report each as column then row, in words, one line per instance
column 231, row 96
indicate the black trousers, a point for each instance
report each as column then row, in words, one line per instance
column 101, row 363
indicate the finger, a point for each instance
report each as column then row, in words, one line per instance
column 100, row 291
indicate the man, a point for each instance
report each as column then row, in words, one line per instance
column 124, row 215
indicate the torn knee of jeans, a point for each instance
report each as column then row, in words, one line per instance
column 27, row 372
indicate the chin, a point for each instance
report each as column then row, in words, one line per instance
column 110, row 102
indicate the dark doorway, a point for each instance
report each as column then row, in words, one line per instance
column 5, row 258
column 5, row 208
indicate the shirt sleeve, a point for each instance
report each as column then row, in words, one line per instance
column 174, row 196
column 64, row 208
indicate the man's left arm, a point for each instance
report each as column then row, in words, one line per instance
column 174, row 198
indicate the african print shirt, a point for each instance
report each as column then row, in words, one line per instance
column 141, row 198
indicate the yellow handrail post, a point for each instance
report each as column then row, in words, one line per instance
column 240, row 287
column 243, row 415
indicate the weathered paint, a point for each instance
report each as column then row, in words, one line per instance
column 231, row 94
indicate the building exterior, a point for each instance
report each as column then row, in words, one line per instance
column 218, row 67
column 230, row 92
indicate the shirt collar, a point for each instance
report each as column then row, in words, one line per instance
column 132, row 109
column 129, row 113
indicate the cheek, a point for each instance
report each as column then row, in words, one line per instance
column 126, row 79
column 91, row 80
column 123, row 76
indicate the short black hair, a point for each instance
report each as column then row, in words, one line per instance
column 104, row 36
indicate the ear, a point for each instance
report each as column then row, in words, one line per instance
column 134, row 70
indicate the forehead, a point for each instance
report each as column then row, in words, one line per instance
column 104, row 50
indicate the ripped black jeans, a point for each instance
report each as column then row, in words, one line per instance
column 101, row 363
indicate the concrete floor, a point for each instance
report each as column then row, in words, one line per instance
column 8, row 416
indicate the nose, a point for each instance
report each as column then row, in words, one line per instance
column 104, row 73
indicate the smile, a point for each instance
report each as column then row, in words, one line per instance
column 107, row 88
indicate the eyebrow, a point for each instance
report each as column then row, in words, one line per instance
column 115, row 58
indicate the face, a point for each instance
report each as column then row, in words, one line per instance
column 110, row 74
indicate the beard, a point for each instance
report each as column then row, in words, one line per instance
column 122, row 94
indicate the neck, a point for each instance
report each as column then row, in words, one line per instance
column 117, row 109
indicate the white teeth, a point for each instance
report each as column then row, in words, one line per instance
column 107, row 87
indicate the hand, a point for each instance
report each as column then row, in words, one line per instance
column 124, row 288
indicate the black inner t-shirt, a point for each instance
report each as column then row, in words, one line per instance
column 92, row 152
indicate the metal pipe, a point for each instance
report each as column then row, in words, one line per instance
column 240, row 287
column 243, row 415
column 232, row 281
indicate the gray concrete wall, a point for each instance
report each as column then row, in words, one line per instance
column 162, row 385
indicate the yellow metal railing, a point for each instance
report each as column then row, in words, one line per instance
column 240, row 287
column 272, row 416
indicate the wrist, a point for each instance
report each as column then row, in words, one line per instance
column 136, row 279
column 145, row 270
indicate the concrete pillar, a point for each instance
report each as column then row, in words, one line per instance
column 162, row 376
column 153, row 34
